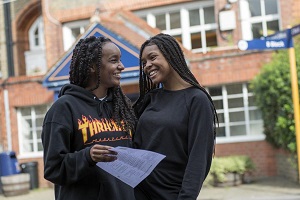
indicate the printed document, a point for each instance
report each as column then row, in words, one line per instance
column 132, row 165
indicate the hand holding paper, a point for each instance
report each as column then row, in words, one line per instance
column 132, row 165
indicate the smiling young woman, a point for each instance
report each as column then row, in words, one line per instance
column 90, row 116
column 176, row 117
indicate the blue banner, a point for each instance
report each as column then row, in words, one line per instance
column 295, row 30
column 258, row 44
column 279, row 40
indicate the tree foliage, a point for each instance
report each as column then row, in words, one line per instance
column 273, row 95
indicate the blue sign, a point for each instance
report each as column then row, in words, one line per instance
column 264, row 44
column 295, row 30
column 279, row 40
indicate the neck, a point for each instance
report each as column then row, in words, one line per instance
column 100, row 92
column 177, row 83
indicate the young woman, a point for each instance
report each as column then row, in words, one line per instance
column 91, row 115
column 176, row 118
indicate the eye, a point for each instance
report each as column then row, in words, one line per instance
column 144, row 63
column 114, row 60
column 153, row 57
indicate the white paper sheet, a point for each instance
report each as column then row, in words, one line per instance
column 132, row 165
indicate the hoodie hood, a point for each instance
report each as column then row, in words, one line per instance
column 104, row 107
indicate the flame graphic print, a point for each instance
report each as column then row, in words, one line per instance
column 91, row 126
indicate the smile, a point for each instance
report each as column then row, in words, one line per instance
column 152, row 73
column 117, row 75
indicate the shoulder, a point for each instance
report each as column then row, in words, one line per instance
column 198, row 97
column 154, row 92
column 63, row 101
column 194, row 92
column 62, row 104
column 141, row 104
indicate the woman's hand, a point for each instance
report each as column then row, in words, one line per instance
column 101, row 153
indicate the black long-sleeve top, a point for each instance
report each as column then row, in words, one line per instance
column 74, row 123
column 178, row 124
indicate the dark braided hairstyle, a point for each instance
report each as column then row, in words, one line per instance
column 175, row 57
column 88, row 53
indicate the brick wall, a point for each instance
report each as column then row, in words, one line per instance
column 290, row 13
column 23, row 91
column 229, row 67
column 262, row 154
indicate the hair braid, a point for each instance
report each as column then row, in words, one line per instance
column 87, row 54
column 123, row 110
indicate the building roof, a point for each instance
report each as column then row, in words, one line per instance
column 125, row 29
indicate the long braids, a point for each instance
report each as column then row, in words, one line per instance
column 88, row 53
column 175, row 57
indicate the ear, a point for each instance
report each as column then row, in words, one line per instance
column 93, row 68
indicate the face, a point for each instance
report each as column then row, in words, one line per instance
column 155, row 65
column 111, row 66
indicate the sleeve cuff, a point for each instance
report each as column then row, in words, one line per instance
column 88, row 157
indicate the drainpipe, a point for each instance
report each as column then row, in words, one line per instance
column 7, row 117
column 10, row 66
column 9, row 41
column 7, row 121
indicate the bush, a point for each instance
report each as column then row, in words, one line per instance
column 273, row 95
column 221, row 166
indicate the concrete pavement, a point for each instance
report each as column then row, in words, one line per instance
column 274, row 188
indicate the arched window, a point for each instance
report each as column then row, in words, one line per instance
column 35, row 58
column 36, row 34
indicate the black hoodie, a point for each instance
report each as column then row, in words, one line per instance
column 74, row 123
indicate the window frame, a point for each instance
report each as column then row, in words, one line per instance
column 37, row 25
column 247, row 21
column 186, row 30
column 34, row 141
column 245, row 94
column 69, row 40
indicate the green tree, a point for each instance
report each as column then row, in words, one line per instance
column 273, row 95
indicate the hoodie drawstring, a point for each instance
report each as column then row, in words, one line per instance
column 103, row 109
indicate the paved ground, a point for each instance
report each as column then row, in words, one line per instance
column 274, row 188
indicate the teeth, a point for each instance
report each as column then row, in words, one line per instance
column 152, row 72
column 117, row 74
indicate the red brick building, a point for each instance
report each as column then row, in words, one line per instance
column 36, row 35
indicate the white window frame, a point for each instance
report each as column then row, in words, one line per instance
column 185, row 31
column 37, row 25
column 247, row 20
column 68, row 38
column 21, row 131
column 246, row 108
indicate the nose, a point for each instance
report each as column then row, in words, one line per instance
column 147, row 65
column 121, row 66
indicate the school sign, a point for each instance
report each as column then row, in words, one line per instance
column 279, row 40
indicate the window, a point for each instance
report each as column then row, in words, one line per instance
column 259, row 18
column 72, row 30
column 192, row 24
column 36, row 34
column 238, row 116
column 30, row 122
column 35, row 58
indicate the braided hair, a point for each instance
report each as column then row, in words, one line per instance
column 88, row 53
column 175, row 57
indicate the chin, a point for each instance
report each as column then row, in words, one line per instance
column 155, row 82
column 116, row 84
